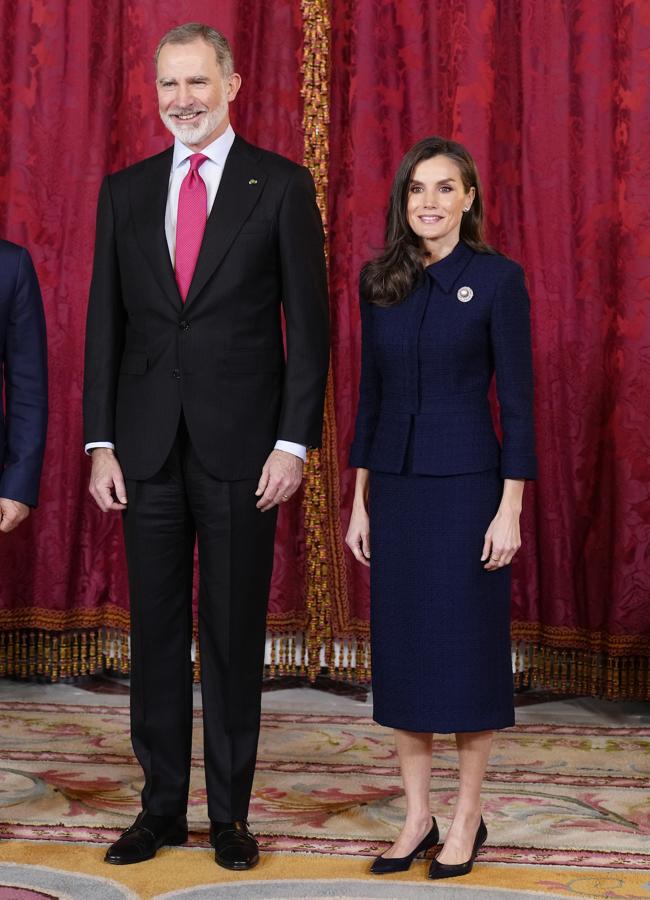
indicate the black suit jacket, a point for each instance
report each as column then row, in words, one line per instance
column 219, row 357
column 23, row 373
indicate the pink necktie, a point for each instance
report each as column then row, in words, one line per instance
column 190, row 223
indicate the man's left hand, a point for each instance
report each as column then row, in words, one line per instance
column 12, row 513
column 281, row 477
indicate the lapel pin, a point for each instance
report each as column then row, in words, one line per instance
column 465, row 294
column 252, row 180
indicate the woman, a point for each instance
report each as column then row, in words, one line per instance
column 441, row 312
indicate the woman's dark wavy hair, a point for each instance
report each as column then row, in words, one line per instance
column 391, row 276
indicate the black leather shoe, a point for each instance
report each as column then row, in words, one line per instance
column 147, row 835
column 384, row 865
column 234, row 845
column 441, row 870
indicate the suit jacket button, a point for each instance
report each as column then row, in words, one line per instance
column 184, row 325
column 176, row 373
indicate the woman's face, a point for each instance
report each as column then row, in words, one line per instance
column 436, row 201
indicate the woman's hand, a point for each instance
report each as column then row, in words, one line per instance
column 358, row 536
column 503, row 537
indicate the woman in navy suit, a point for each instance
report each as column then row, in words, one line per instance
column 435, row 492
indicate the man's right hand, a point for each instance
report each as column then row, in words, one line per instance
column 12, row 513
column 106, row 481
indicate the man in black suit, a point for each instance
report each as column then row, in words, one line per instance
column 198, row 426
column 23, row 372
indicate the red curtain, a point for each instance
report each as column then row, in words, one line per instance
column 79, row 101
column 552, row 99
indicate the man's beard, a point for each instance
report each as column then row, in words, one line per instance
column 194, row 133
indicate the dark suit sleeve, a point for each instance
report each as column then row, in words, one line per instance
column 369, row 394
column 26, row 388
column 104, row 328
column 511, row 347
column 306, row 311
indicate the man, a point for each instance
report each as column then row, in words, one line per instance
column 198, row 427
column 23, row 369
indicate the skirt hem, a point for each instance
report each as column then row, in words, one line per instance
column 447, row 729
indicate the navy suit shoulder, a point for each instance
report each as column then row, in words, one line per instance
column 23, row 360
column 10, row 258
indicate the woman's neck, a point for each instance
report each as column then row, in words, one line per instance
column 433, row 251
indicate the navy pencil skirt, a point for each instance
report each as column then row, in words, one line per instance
column 440, row 624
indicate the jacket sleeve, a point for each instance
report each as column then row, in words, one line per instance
column 105, row 325
column 369, row 393
column 306, row 312
column 25, row 368
column 512, row 352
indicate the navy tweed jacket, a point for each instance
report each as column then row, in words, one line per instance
column 435, row 393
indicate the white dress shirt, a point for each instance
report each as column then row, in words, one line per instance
column 210, row 171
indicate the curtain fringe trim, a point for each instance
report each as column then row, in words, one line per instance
column 346, row 659
column 583, row 672
column 55, row 656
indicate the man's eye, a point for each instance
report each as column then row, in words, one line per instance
column 445, row 188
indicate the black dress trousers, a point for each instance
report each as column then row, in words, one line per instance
column 166, row 515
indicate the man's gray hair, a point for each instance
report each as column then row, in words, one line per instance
column 192, row 31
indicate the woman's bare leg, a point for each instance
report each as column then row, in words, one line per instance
column 473, row 755
column 414, row 752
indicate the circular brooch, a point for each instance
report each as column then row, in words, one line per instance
column 465, row 294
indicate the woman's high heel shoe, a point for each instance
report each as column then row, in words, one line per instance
column 384, row 865
column 442, row 870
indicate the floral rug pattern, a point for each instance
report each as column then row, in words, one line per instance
column 329, row 784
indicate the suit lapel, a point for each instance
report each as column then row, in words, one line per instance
column 148, row 189
column 240, row 188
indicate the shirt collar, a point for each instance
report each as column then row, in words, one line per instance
column 448, row 269
column 217, row 151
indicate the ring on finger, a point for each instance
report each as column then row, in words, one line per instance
column 285, row 497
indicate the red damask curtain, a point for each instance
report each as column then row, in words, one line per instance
column 79, row 101
column 552, row 99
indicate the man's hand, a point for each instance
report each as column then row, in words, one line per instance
column 281, row 477
column 12, row 513
column 106, row 481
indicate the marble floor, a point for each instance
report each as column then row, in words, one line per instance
column 341, row 699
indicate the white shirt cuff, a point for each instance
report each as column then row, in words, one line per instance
column 298, row 450
column 94, row 444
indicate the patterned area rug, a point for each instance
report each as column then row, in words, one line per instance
column 568, row 809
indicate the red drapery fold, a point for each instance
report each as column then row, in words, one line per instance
column 79, row 101
column 552, row 99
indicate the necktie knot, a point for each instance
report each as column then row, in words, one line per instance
column 196, row 161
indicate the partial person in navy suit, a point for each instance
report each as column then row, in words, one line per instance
column 23, row 372
column 439, row 498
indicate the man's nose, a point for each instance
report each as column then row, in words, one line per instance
column 183, row 95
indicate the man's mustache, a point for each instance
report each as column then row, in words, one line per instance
column 183, row 110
